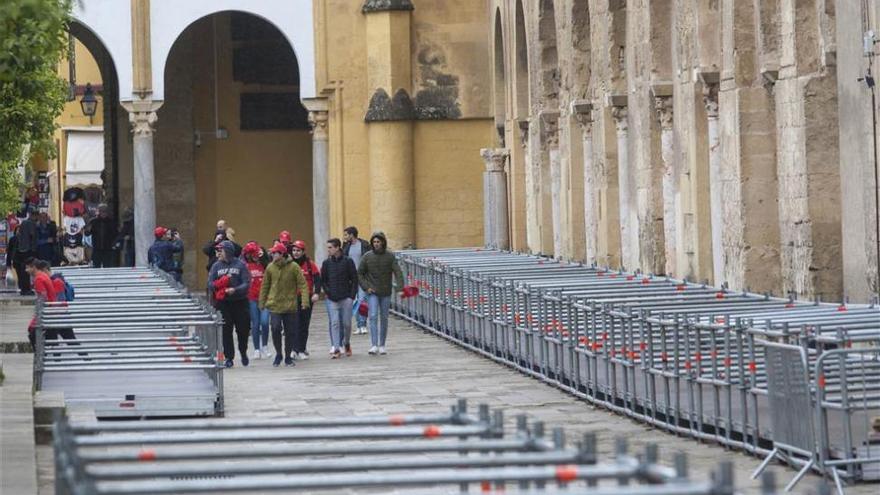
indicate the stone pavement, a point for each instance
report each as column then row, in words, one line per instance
column 424, row 373
column 18, row 473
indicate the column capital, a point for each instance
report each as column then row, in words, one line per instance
column 142, row 115
column 550, row 127
column 583, row 113
column 618, row 104
column 523, row 127
column 494, row 158
column 318, row 123
column 711, row 81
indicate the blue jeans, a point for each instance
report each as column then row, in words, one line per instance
column 259, row 325
column 361, row 319
column 379, row 306
column 340, row 321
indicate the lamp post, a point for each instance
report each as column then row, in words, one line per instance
column 88, row 102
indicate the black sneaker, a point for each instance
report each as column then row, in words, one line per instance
column 277, row 361
column 289, row 362
column 244, row 359
column 229, row 363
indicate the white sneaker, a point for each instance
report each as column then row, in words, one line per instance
column 266, row 352
column 382, row 350
column 257, row 354
column 373, row 350
column 365, row 330
column 304, row 356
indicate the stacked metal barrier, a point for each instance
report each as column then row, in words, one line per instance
column 388, row 452
column 688, row 358
column 144, row 347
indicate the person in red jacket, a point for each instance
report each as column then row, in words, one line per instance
column 44, row 290
column 256, row 260
column 313, row 280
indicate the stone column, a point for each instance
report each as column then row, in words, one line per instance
column 496, row 230
column 550, row 134
column 532, row 191
column 716, row 211
column 320, row 175
column 583, row 112
column 142, row 115
column 671, row 198
column 626, row 198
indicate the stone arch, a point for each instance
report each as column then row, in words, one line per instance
column 549, row 84
column 292, row 18
column 581, row 43
column 521, row 46
column 500, row 75
column 111, row 110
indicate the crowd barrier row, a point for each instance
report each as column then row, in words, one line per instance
column 792, row 380
column 458, row 450
column 144, row 346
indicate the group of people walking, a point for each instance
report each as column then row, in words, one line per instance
column 262, row 292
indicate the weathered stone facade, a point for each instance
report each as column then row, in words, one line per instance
column 705, row 139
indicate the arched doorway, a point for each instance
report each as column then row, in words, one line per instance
column 232, row 140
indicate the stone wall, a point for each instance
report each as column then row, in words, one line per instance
column 694, row 138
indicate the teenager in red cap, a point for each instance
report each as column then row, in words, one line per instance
column 256, row 260
column 286, row 239
column 161, row 253
column 282, row 281
column 313, row 279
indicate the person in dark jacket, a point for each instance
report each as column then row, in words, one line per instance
column 161, row 253
column 313, row 279
column 103, row 230
column 47, row 239
column 355, row 248
column 125, row 240
column 375, row 277
column 25, row 249
column 228, row 283
column 210, row 248
column 340, row 283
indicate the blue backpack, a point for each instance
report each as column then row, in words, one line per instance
column 68, row 294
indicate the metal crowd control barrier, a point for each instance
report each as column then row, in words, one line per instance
column 144, row 347
column 688, row 358
column 390, row 452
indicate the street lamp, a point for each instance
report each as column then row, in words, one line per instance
column 88, row 102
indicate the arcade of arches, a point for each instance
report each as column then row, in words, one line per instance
column 726, row 140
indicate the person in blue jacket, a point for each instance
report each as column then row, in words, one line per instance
column 161, row 253
column 228, row 282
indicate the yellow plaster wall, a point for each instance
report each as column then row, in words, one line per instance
column 449, row 181
column 450, row 37
column 87, row 71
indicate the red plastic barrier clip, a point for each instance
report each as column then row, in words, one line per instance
column 431, row 431
column 147, row 455
column 566, row 474
column 396, row 420
column 753, row 367
column 719, row 295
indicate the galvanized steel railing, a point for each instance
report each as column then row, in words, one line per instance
column 687, row 358
column 133, row 326
column 387, row 452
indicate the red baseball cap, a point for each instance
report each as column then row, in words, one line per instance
column 299, row 244
column 160, row 232
column 278, row 248
column 285, row 236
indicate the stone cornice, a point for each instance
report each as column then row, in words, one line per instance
column 371, row 6
column 385, row 109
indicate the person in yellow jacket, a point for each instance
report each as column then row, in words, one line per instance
column 282, row 281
